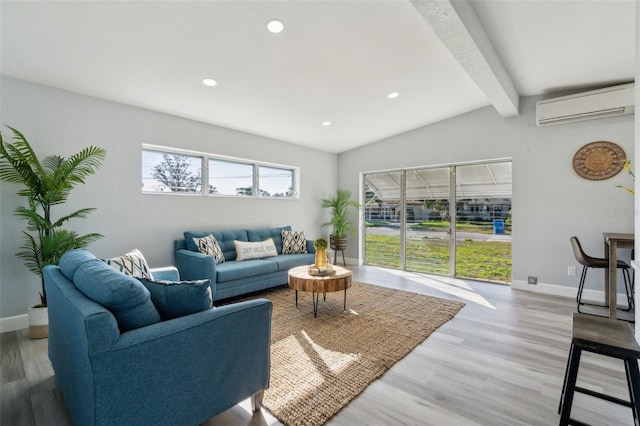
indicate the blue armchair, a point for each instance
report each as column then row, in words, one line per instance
column 176, row 372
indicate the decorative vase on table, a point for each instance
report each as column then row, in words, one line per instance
column 322, row 262
column 322, row 257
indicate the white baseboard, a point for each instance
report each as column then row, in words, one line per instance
column 564, row 291
column 16, row 322
column 351, row 261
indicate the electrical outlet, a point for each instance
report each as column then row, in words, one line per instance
column 571, row 271
column 532, row 280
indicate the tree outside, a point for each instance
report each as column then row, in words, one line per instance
column 174, row 172
column 248, row 192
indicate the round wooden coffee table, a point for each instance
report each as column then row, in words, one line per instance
column 300, row 279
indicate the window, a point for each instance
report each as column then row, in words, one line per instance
column 229, row 178
column 167, row 170
column 275, row 182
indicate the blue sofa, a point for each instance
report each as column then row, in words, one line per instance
column 234, row 278
column 175, row 372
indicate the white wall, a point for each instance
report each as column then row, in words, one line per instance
column 550, row 201
column 59, row 122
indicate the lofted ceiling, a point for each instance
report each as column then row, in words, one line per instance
column 335, row 61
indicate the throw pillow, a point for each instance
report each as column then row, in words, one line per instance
column 293, row 242
column 127, row 299
column 132, row 263
column 255, row 250
column 209, row 245
column 175, row 299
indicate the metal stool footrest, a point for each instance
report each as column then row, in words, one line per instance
column 603, row 396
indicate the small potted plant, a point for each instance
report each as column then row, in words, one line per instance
column 322, row 263
column 339, row 220
column 45, row 184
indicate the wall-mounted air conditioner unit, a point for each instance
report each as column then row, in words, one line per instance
column 608, row 102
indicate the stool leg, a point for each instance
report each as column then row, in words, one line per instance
column 633, row 381
column 583, row 276
column 570, row 385
column 564, row 381
column 633, row 286
column 628, row 288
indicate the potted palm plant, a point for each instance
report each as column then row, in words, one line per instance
column 339, row 220
column 46, row 183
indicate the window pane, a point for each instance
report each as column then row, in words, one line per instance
column 229, row 178
column 382, row 214
column 166, row 172
column 428, row 219
column 275, row 182
column 483, row 221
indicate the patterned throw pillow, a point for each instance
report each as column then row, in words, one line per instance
column 209, row 245
column 293, row 242
column 132, row 263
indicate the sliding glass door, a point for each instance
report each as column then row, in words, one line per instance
column 382, row 218
column 410, row 223
column 428, row 221
column 483, row 221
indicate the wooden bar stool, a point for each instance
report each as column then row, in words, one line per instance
column 606, row 337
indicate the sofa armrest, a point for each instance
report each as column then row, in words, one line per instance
column 310, row 247
column 167, row 273
column 208, row 361
column 75, row 321
column 200, row 319
column 79, row 329
column 195, row 266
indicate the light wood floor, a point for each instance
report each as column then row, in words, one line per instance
column 500, row 361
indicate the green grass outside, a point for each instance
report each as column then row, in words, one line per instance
column 485, row 260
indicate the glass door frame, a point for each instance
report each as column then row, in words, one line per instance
column 403, row 208
column 453, row 211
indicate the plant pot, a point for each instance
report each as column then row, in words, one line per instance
column 338, row 243
column 38, row 322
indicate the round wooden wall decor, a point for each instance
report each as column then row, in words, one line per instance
column 599, row 160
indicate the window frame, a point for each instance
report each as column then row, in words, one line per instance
column 205, row 173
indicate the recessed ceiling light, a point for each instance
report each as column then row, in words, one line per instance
column 326, row 123
column 275, row 26
column 393, row 95
column 209, row 82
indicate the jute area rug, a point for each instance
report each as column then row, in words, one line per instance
column 319, row 364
